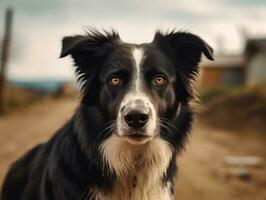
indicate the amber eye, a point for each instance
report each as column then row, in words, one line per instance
column 159, row 80
column 115, row 81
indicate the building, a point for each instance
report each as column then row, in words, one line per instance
column 225, row 70
column 255, row 61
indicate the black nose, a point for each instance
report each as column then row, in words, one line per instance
column 136, row 119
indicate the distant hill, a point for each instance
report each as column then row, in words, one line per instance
column 39, row 85
column 21, row 93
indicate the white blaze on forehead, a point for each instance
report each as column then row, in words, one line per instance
column 138, row 56
column 136, row 96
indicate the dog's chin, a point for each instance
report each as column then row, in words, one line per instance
column 137, row 138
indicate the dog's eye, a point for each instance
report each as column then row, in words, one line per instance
column 159, row 80
column 115, row 81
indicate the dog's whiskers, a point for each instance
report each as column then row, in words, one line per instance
column 167, row 122
column 164, row 129
column 109, row 128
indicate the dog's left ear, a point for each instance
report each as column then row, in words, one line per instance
column 183, row 47
column 184, row 51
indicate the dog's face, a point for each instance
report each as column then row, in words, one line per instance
column 136, row 87
column 139, row 88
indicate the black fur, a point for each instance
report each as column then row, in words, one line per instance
column 70, row 163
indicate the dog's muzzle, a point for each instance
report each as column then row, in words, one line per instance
column 137, row 120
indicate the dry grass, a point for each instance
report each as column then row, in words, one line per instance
column 243, row 110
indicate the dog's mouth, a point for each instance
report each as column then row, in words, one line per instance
column 137, row 137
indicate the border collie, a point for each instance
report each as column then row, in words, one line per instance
column 133, row 119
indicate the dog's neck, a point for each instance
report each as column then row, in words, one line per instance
column 139, row 168
column 124, row 158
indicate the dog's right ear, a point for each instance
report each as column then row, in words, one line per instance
column 93, row 44
column 72, row 44
column 89, row 52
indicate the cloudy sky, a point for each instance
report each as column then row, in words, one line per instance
column 40, row 25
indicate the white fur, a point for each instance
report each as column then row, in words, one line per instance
column 138, row 57
column 137, row 97
column 147, row 162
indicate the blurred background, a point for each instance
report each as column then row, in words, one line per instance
column 226, row 155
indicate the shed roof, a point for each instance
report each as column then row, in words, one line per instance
column 224, row 61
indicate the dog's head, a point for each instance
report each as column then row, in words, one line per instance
column 140, row 88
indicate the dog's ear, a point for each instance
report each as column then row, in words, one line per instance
column 72, row 44
column 94, row 42
column 183, row 47
column 184, row 50
column 89, row 52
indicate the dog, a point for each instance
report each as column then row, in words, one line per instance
column 134, row 117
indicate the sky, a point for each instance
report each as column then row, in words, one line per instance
column 39, row 27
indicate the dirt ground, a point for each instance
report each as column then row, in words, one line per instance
column 202, row 172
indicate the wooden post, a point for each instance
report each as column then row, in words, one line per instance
column 4, row 59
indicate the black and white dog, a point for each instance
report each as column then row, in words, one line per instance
column 133, row 119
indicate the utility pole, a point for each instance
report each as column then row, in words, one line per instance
column 4, row 59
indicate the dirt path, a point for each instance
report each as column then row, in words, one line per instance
column 22, row 130
column 202, row 174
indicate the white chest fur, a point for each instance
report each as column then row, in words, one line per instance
column 139, row 169
column 123, row 191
